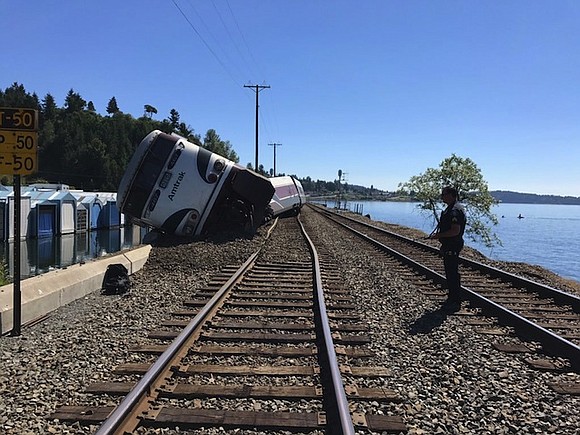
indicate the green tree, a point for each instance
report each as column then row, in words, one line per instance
column 215, row 144
column 112, row 107
column 86, row 150
column 91, row 162
column 185, row 130
column 174, row 120
column 16, row 96
column 149, row 111
column 49, row 108
column 73, row 102
column 464, row 175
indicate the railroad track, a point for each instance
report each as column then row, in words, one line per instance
column 278, row 329
column 537, row 312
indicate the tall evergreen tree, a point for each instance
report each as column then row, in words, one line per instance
column 174, row 120
column 49, row 108
column 73, row 102
column 112, row 107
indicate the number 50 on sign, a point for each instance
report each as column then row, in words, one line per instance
column 18, row 141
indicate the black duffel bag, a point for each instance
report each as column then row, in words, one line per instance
column 116, row 280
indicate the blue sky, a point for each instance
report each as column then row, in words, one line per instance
column 380, row 89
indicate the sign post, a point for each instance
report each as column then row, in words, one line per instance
column 18, row 156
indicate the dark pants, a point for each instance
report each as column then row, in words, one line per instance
column 451, row 263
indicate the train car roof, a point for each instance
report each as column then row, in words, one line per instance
column 281, row 181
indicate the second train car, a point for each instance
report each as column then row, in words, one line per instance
column 180, row 188
column 288, row 197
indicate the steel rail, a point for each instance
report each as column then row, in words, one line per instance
column 542, row 289
column 551, row 343
column 341, row 412
column 122, row 413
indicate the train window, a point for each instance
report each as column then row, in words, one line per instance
column 136, row 201
column 203, row 159
column 143, row 184
column 173, row 159
column 154, row 200
column 161, row 148
column 165, row 180
column 148, row 174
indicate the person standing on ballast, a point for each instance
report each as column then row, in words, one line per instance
column 450, row 234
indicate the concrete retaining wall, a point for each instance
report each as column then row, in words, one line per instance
column 45, row 293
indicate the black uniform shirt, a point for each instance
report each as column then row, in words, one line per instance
column 453, row 214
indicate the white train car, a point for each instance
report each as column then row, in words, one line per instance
column 288, row 196
column 182, row 189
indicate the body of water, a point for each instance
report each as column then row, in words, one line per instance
column 43, row 254
column 546, row 235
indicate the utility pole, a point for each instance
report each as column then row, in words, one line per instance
column 275, row 145
column 339, row 178
column 257, row 89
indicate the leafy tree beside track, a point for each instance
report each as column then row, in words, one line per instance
column 465, row 176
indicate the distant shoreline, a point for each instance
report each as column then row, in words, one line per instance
column 504, row 197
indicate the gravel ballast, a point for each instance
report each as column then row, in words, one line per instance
column 449, row 376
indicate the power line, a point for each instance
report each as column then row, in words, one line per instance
column 243, row 37
column 205, row 43
column 227, row 62
column 220, row 46
column 245, row 62
column 272, row 121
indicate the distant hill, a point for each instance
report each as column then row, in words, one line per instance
column 532, row 198
column 353, row 192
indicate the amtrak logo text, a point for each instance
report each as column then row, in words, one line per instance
column 176, row 185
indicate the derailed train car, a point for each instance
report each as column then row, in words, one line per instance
column 182, row 189
column 288, row 197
